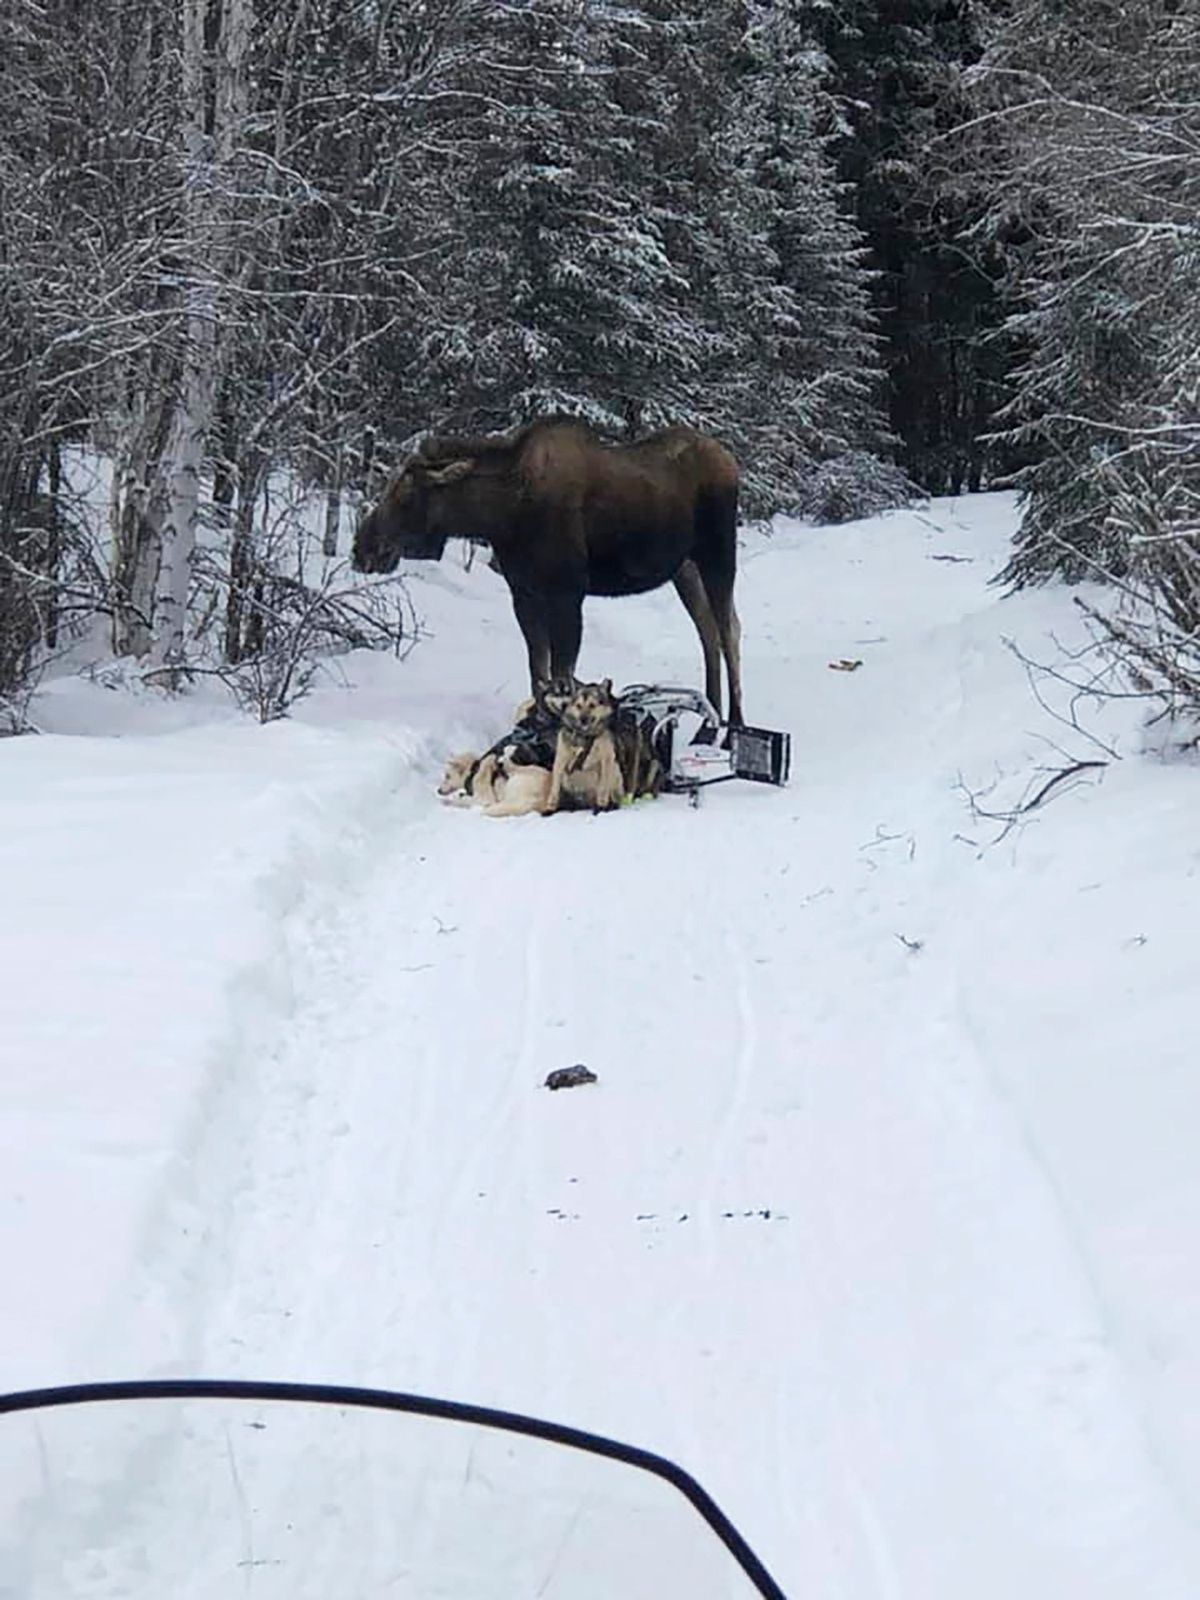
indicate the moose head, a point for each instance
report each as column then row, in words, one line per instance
column 417, row 512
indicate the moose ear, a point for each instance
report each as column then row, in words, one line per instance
column 452, row 472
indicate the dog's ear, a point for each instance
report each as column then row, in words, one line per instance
column 606, row 685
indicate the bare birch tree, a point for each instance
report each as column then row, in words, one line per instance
column 213, row 104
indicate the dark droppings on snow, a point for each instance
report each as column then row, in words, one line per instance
column 764, row 1213
column 570, row 1077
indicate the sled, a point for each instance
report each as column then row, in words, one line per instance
column 708, row 751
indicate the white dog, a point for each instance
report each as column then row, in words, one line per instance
column 496, row 784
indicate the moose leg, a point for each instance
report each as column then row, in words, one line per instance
column 731, row 639
column 690, row 588
column 531, row 617
column 718, row 585
column 564, row 612
column 716, row 557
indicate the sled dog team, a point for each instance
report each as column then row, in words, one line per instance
column 573, row 748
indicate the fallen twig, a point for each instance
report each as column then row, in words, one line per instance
column 1011, row 817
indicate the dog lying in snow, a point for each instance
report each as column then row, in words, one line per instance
column 571, row 749
column 513, row 777
column 500, row 786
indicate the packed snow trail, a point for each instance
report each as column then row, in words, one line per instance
column 800, row 1234
column 794, row 1235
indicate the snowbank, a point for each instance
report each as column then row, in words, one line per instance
column 148, row 887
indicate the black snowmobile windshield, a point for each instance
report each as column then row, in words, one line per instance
column 201, row 1491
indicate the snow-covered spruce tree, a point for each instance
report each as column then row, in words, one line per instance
column 671, row 79
column 741, row 187
column 652, row 232
column 1104, row 126
column 804, row 377
column 1099, row 110
column 894, row 72
column 568, row 298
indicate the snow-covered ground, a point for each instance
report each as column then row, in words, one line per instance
column 883, row 1215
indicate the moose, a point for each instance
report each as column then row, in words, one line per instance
column 567, row 515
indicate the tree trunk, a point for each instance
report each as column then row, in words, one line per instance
column 333, row 510
column 137, row 434
column 53, row 555
column 239, row 632
column 206, row 233
column 133, row 516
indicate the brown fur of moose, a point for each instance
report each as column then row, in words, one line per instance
column 569, row 515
